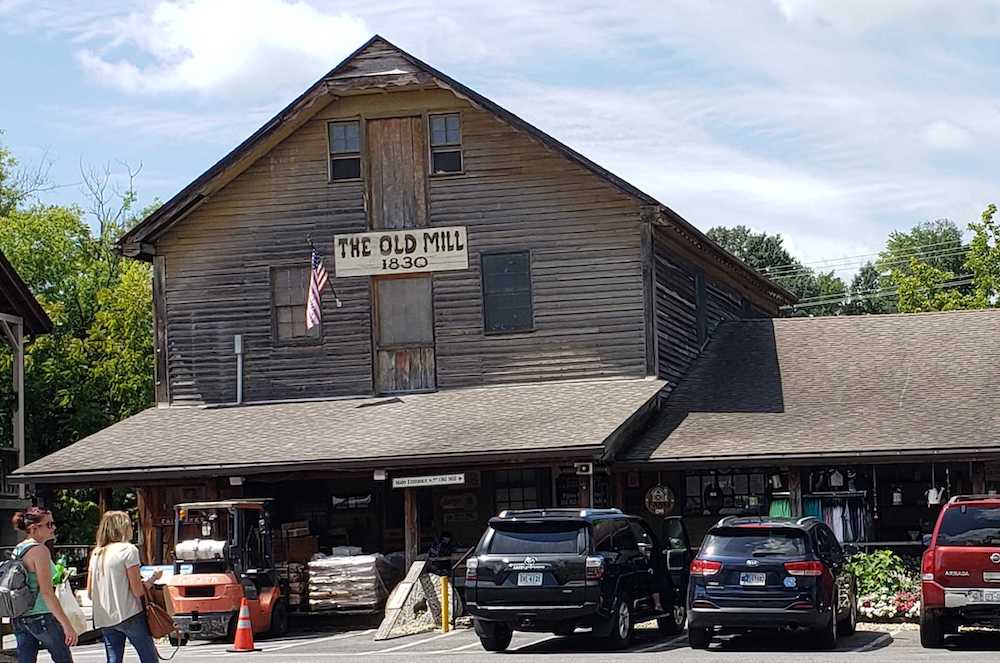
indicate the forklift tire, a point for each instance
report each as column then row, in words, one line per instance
column 176, row 641
column 279, row 620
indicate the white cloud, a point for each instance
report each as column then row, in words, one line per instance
column 215, row 46
column 943, row 135
column 861, row 15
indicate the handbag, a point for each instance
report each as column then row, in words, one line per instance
column 161, row 624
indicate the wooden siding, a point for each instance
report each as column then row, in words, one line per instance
column 677, row 313
column 583, row 235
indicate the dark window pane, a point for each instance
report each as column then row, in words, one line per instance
column 447, row 162
column 757, row 541
column 346, row 169
column 970, row 526
column 507, row 302
column 519, row 541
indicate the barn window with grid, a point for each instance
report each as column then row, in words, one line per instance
column 507, row 305
column 446, row 144
column 289, row 286
column 345, row 150
column 516, row 489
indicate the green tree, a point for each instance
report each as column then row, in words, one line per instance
column 922, row 286
column 767, row 254
column 96, row 367
column 866, row 296
column 935, row 243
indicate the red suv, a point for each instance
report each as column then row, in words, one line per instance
column 960, row 571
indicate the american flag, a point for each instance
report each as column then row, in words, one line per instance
column 314, row 309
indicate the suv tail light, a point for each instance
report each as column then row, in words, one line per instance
column 804, row 568
column 595, row 567
column 927, row 566
column 471, row 569
column 705, row 567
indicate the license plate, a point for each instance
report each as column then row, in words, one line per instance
column 986, row 597
column 529, row 579
column 753, row 579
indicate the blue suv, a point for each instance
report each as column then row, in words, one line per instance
column 761, row 573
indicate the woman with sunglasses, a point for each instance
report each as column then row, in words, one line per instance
column 45, row 623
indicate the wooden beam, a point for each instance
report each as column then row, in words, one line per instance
column 648, row 291
column 103, row 500
column 162, row 379
column 794, row 490
column 411, row 525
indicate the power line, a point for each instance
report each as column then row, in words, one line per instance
column 848, row 292
column 912, row 250
column 832, row 265
column 843, row 299
column 892, row 263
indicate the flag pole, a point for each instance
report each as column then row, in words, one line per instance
column 336, row 298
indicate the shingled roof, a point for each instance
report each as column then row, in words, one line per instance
column 854, row 386
column 559, row 419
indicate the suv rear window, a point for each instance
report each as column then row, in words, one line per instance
column 970, row 526
column 754, row 541
column 535, row 540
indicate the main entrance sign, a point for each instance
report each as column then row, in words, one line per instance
column 401, row 251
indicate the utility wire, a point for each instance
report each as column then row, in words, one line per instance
column 905, row 255
column 871, row 295
column 912, row 250
column 848, row 292
column 903, row 260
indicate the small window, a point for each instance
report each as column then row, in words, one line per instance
column 515, row 489
column 345, row 150
column 507, row 305
column 289, row 286
column 446, row 144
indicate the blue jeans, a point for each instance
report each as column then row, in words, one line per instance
column 40, row 630
column 136, row 629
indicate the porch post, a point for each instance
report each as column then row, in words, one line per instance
column 411, row 525
column 795, row 491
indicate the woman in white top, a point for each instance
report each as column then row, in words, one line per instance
column 116, row 590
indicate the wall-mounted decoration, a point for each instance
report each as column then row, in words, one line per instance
column 660, row 500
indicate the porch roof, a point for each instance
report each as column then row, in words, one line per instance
column 450, row 427
column 854, row 386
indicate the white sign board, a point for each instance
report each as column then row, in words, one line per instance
column 401, row 251
column 435, row 480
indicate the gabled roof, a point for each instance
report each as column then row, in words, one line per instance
column 16, row 299
column 873, row 386
column 549, row 420
column 380, row 64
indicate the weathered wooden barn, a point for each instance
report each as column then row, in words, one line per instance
column 501, row 307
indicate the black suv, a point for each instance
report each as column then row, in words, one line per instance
column 770, row 573
column 553, row 570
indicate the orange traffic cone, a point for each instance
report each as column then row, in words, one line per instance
column 244, row 631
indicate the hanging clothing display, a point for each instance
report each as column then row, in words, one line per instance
column 780, row 508
column 812, row 506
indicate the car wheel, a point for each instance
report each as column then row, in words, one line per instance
column 621, row 625
column 826, row 637
column 931, row 629
column 673, row 624
column 279, row 620
column 700, row 638
column 494, row 636
column 849, row 625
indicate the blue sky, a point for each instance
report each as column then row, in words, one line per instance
column 832, row 123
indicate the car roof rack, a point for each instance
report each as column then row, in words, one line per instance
column 562, row 511
column 972, row 498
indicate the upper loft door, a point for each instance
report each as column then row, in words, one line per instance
column 403, row 315
column 398, row 173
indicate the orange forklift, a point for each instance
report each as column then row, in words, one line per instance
column 222, row 555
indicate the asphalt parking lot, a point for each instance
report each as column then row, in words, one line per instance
column 871, row 644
